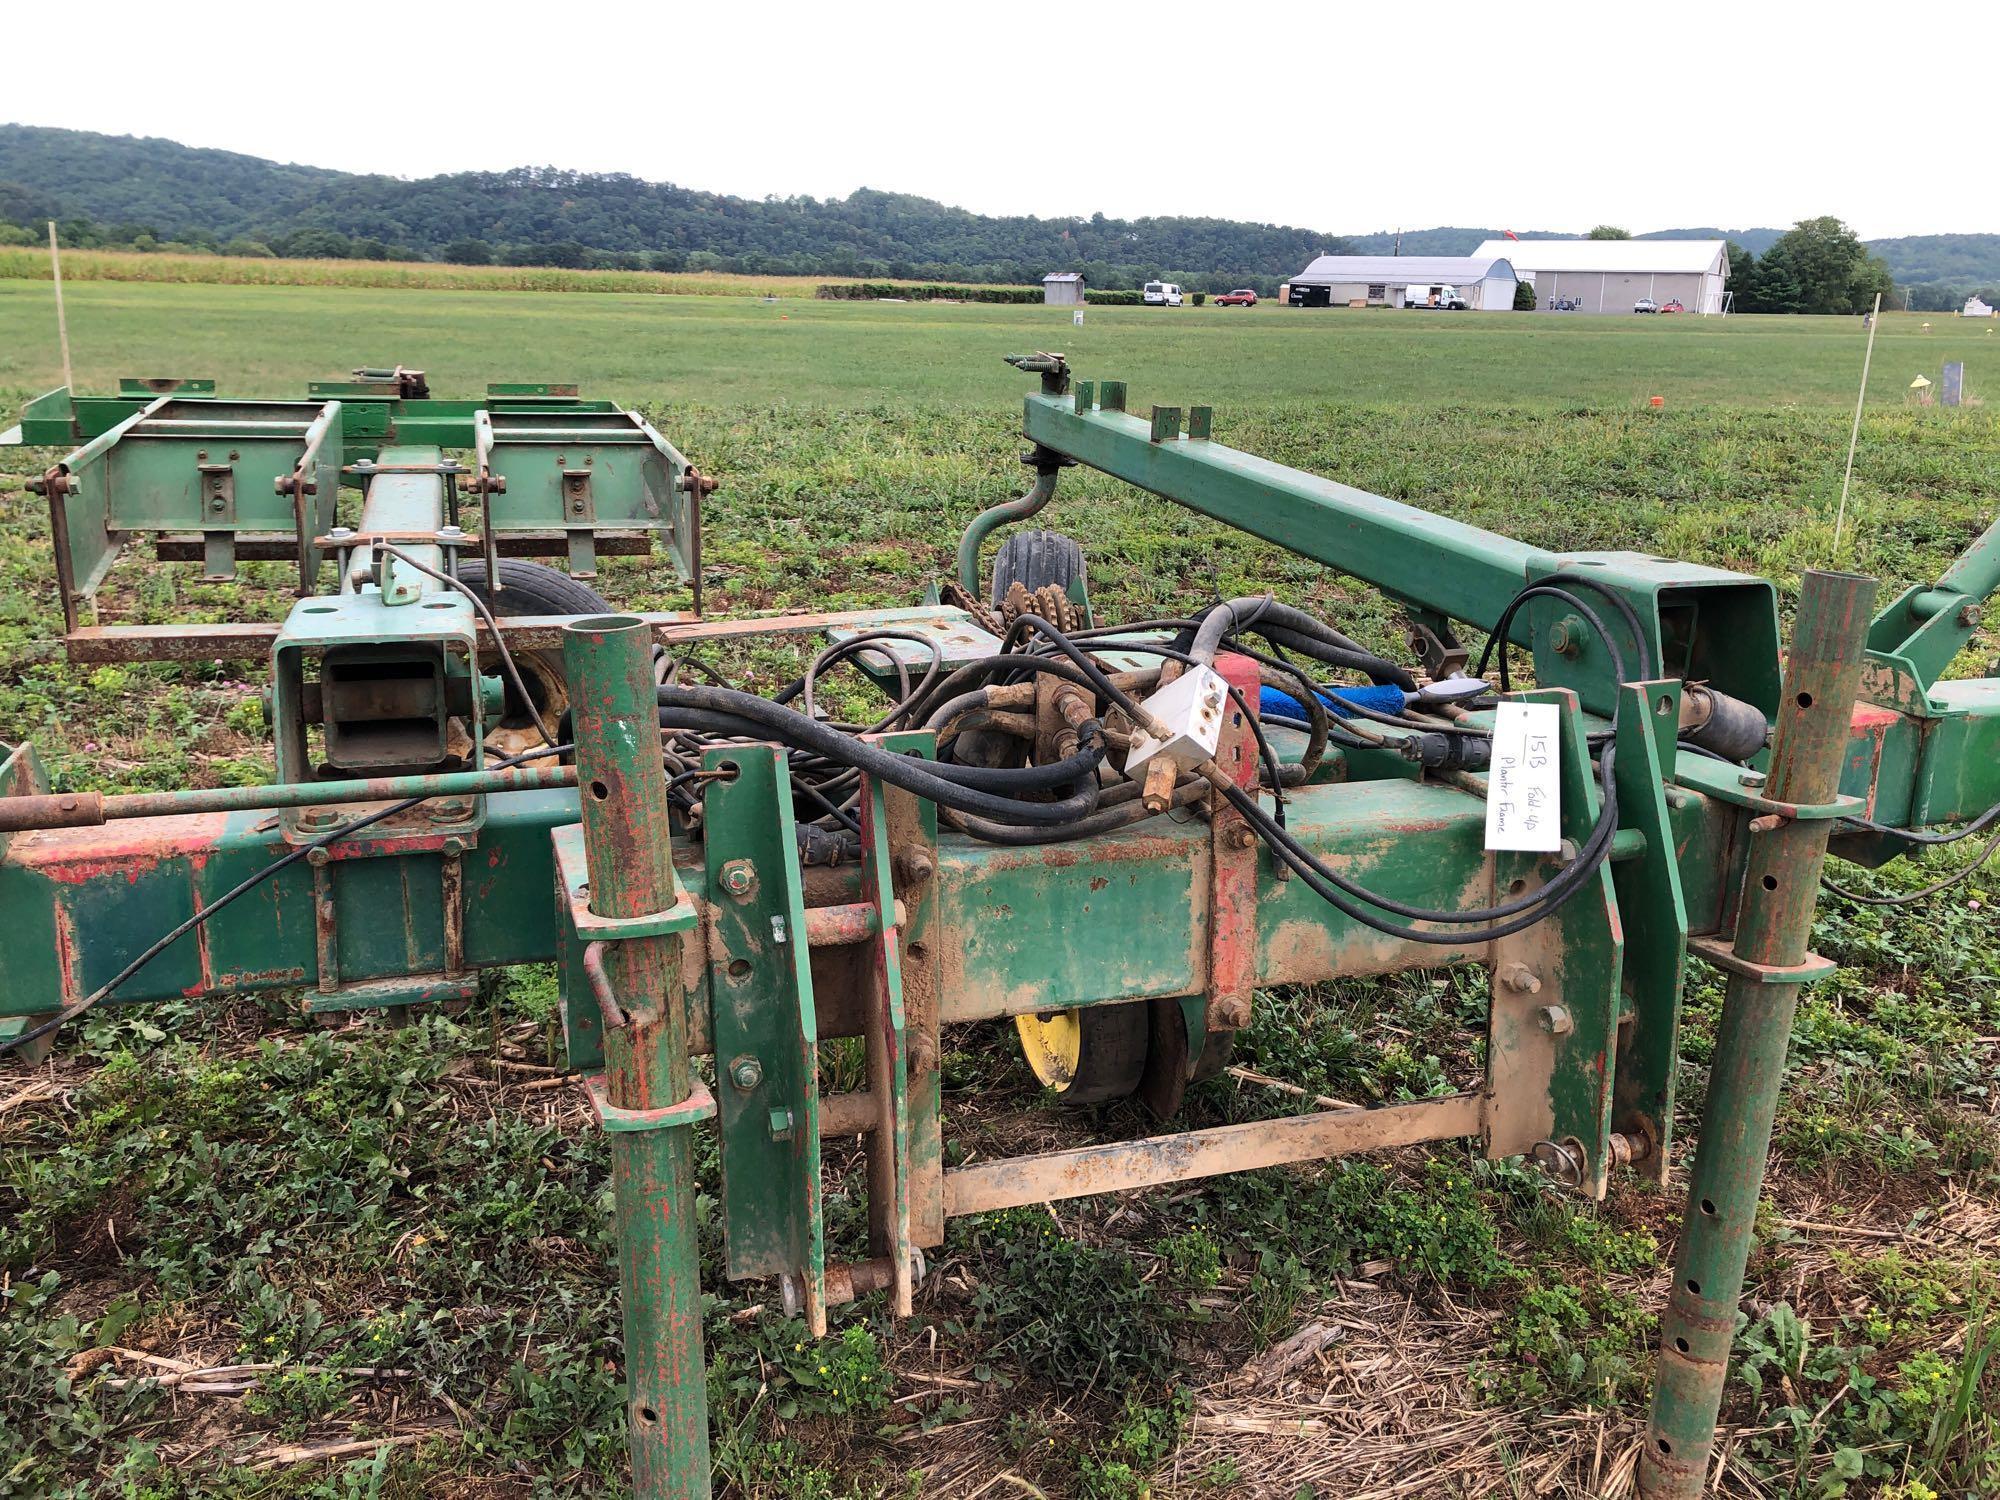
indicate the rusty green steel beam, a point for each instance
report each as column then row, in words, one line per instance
column 628, row 848
column 1767, row 960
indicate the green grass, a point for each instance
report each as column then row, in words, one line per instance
column 238, row 1183
column 796, row 351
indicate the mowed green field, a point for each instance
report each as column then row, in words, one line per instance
column 222, row 1184
column 804, row 352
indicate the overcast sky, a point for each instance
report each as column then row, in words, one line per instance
column 1342, row 118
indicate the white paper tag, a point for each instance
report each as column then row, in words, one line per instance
column 1524, row 786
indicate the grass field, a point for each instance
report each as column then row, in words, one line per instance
column 799, row 352
column 242, row 1185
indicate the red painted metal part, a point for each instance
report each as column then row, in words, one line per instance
column 1232, row 962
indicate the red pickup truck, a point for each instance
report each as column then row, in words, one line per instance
column 1241, row 297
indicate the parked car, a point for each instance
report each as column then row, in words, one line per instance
column 1565, row 304
column 1672, row 304
column 1161, row 294
column 1241, row 297
column 1445, row 298
column 1645, row 304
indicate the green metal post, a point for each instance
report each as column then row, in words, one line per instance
column 988, row 521
column 623, row 791
column 1769, row 961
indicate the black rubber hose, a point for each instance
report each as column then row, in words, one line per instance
column 722, row 711
column 1559, row 888
column 1105, row 820
column 1294, row 628
column 1310, row 871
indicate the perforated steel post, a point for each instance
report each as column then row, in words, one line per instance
column 1768, row 963
column 622, row 787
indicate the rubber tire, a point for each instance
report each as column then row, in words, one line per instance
column 1036, row 559
column 531, row 588
column 1111, row 1054
column 1111, row 1051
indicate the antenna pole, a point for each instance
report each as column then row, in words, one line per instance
column 1854, row 435
column 62, row 322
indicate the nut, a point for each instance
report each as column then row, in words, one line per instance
column 1555, row 1020
column 739, row 877
column 746, row 1073
column 1521, row 979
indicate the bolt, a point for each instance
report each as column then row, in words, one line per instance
column 1559, row 1161
column 1521, row 979
column 1627, row 1150
column 576, row 507
column 1555, row 1020
column 1566, row 636
column 781, row 1124
column 216, row 504
column 341, row 534
column 318, row 855
column 915, row 866
column 1969, row 616
column 746, row 1073
column 1239, row 836
column 453, row 846
column 739, row 877
column 449, row 809
column 318, row 817
column 1751, row 778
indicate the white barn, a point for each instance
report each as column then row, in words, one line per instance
column 1486, row 282
column 1609, row 276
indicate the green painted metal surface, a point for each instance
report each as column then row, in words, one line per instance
column 80, row 903
column 1653, row 915
column 1773, row 926
column 628, row 856
column 764, row 1024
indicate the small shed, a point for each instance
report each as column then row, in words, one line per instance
column 1062, row 289
column 1975, row 307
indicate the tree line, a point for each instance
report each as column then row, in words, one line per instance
column 148, row 194
column 141, row 193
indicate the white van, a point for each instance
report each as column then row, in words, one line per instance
column 1162, row 294
column 1444, row 297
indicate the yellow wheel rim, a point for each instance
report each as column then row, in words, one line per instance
column 1052, row 1044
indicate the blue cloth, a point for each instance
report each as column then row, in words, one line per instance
column 1383, row 700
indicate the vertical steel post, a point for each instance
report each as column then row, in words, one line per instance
column 622, row 787
column 1773, row 928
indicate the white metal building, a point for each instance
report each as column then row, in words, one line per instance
column 1609, row 276
column 1975, row 307
column 1486, row 282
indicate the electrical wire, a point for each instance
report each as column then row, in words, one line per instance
column 1944, row 883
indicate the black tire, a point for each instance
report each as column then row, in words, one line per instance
column 1035, row 559
column 529, row 588
column 1113, row 1039
column 1110, row 1043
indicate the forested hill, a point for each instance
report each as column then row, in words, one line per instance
column 543, row 215
column 127, row 190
